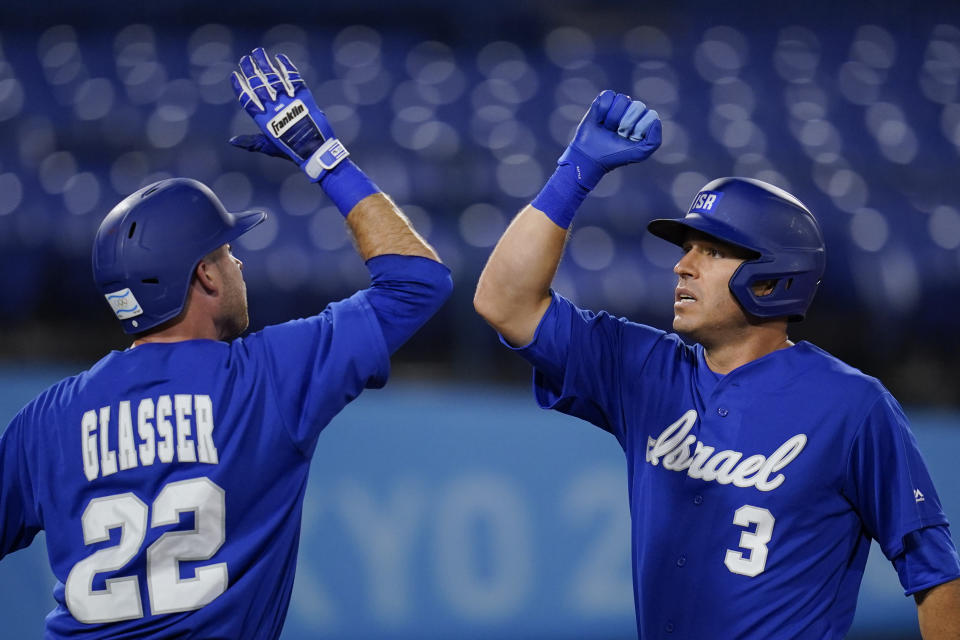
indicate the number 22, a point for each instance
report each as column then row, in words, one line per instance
column 168, row 593
column 755, row 542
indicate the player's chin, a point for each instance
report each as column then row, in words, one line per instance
column 238, row 325
column 679, row 324
column 244, row 324
column 682, row 322
column 687, row 326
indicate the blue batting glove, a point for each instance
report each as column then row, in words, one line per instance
column 260, row 144
column 615, row 131
column 293, row 126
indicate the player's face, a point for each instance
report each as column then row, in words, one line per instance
column 234, row 318
column 703, row 306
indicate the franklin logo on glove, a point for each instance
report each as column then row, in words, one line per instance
column 292, row 114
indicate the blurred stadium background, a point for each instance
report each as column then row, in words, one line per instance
column 447, row 505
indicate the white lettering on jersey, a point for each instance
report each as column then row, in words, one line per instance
column 164, row 429
column 148, row 448
column 192, row 441
column 88, row 441
column 108, row 457
column 672, row 447
column 185, row 449
column 203, row 412
column 128, row 451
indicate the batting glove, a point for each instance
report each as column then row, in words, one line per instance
column 293, row 126
column 615, row 131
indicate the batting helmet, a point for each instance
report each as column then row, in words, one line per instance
column 147, row 247
column 770, row 223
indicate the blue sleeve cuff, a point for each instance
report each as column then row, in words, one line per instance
column 549, row 316
column 547, row 354
column 405, row 292
column 929, row 558
column 536, row 333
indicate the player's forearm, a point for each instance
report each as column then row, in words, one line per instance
column 379, row 227
column 938, row 611
column 514, row 289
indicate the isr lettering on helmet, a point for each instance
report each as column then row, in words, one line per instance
column 704, row 201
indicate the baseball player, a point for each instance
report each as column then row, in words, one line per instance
column 169, row 477
column 759, row 469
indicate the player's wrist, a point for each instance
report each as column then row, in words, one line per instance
column 326, row 157
column 588, row 171
column 346, row 185
column 563, row 193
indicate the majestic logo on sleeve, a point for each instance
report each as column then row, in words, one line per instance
column 672, row 448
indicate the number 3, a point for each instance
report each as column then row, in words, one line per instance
column 755, row 542
column 120, row 600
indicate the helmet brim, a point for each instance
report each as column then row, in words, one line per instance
column 246, row 220
column 676, row 230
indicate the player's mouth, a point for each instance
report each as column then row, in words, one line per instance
column 683, row 297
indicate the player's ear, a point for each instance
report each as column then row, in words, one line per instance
column 206, row 272
column 764, row 287
column 206, row 276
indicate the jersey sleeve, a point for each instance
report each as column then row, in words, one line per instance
column 19, row 519
column 319, row 364
column 929, row 558
column 577, row 359
column 405, row 291
column 887, row 480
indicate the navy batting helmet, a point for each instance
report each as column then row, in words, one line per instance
column 772, row 224
column 147, row 247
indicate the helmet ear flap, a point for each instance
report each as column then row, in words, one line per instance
column 797, row 279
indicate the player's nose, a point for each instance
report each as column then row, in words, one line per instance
column 685, row 266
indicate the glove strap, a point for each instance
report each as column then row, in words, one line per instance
column 330, row 154
column 346, row 184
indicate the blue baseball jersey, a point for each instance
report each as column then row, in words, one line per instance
column 753, row 495
column 169, row 478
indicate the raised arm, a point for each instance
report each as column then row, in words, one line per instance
column 408, row 282
column 514, row 289
column 294, row 127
